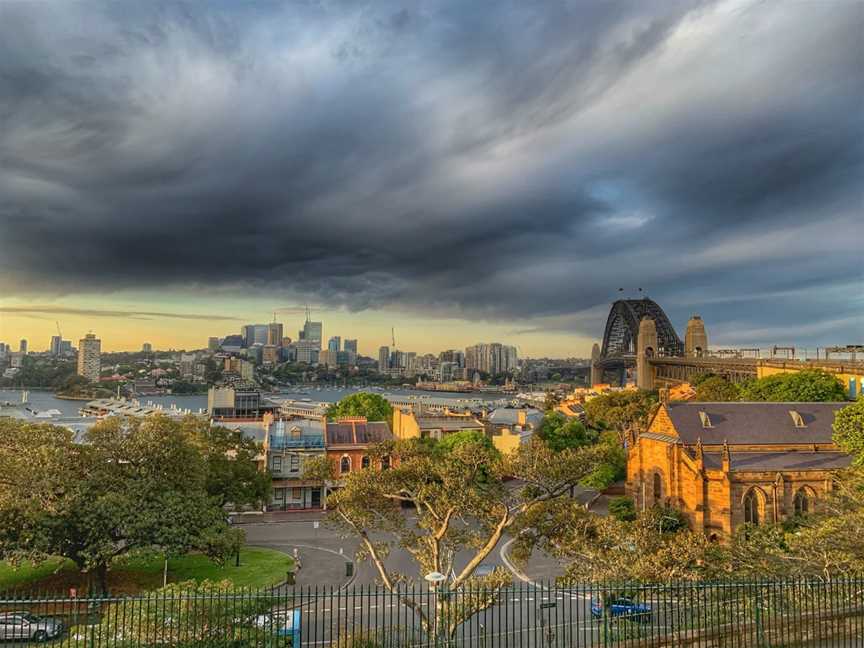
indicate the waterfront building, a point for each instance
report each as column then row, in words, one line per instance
column 493, row 358
column 187, row 364
column 90, row 357
column 237, row 402
column 726, row 464
column 350, row 345
column 383, row 358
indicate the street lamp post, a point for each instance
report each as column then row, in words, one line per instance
column 434, row 579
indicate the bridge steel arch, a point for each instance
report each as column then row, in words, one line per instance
column 622, row 330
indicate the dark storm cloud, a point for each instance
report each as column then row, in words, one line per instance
column 35, row 311
column 497, row 160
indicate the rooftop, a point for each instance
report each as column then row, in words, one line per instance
column 771, row 461
column 753, row 423
column 358, row 432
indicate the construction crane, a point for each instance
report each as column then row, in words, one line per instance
column 393, row 336
column 58, row 329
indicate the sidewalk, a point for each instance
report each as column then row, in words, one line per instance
column 278, row 517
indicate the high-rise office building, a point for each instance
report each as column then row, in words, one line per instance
column 22, row 346
column 148, row 348
column 54, row 349
column 89, row 357
column 383, row 358
column 312, row 332
column 334, row 344
column 255, row 334
column 351, row 345
column 274, row 334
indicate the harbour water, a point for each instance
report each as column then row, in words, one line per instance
column 43, row 401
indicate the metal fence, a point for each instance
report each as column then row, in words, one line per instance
column 760, row 614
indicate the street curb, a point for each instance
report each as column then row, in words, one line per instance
column 518, row 573
column 345, row 585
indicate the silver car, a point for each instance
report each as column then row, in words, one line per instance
column 23, row 625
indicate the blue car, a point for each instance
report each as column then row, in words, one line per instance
column 623, row 607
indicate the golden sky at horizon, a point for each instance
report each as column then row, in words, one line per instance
column 186, row 323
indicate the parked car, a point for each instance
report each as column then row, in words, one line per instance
column 623, row 606
column 23, row 625
column 280, row 623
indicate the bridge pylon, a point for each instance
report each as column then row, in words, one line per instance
column 646, row 348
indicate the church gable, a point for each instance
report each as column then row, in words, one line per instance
column 662, row 425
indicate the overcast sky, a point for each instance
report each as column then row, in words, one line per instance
column 455, row 169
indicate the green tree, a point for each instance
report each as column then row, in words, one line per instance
column 801, row 386
column 559, row 432
column 621, row 411
column 451, row 441
column 717, row 389
column 455, row 512
column 614, row 466
column 133, row 485
column 206, row 614
column 849, row 430
column 622, row 509
column 372, row 406
column 233, row 476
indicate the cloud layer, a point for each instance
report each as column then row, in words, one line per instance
column 495, row 160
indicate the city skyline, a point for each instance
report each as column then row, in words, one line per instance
column 461, row 172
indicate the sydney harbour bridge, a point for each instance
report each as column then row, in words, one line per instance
column 640, row 338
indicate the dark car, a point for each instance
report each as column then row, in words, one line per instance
column 23, row 625
column 625, row 607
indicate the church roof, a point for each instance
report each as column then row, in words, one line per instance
column 771, row 461
column 740, row 423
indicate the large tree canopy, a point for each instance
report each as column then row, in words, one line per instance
column 372, row 406
column 716, row 389
column 800, row 386
column 132, row 485
column 621, row 411
column 461, row 504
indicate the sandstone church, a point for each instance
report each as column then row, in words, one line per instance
column 726, row 464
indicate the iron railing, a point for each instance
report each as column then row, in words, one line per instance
column 761, row 614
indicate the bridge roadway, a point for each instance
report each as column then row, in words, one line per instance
column 675, row 370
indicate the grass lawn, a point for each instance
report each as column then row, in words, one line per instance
column 258, row 568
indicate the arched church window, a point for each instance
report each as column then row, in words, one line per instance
column 803, row 502
column 753, row 506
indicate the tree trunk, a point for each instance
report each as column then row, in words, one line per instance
column 102, row 574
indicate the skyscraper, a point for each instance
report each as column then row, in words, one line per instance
column 351, row 345
column 147, row 348
column 56, row 340
column 334, row 344
column 255, row 334
column 383, row 358
column 22, row 346
column 89, row 357
column 274, row 334
column 313, row 332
